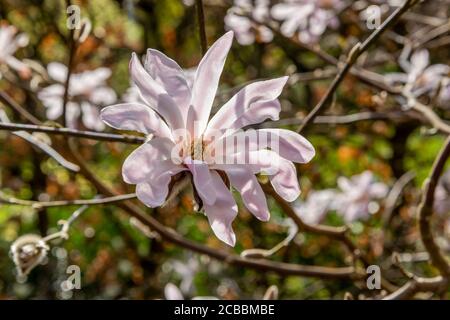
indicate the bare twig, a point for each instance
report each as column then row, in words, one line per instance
column 201, row 25
column 425, row 212
column 94, row 135
column 7, row 100
column 356, row 51
column 395, row 193
column 40, row 145
column 72, row 51
column 62, row 203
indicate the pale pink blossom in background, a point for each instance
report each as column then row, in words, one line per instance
column 10, row 42
column 186, row 270
column 172, row 106
column 171, row 292
column 444, row 93
column 358, row 194
column 419, row 77
column 88, row 92
column 309, row 19
column 246, row 30
column 316, row 206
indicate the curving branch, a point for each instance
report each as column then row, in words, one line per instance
column 425, row 212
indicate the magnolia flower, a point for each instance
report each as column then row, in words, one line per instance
column 87, row 90
column 181, row 140
column 10, row 42
column 419, row 77
column 358, row 193
column 246, row 30
column 309, row 18
column 316, row 205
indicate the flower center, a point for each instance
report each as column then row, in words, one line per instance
column 197, row 149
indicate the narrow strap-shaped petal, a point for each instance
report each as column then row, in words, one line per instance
column 252, row 194
column 170, row 75
column 91, row 116
column 207, row 80
column 171, row 292
column 282, row 172
column 203, row 182
column 288, row 144
column 252, row 104
column 148, row 160
column 103, row 96
column 285, row 181
column 57, row 71
column 154, row 193
column 222, row 213
column 135, row 117
column 155, row 95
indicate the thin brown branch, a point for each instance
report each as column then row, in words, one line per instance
column 432, row 117
column 72, row 50
column 93, row 135
column 425, row 212
column 417, row 284
column 201, row 25
column 7, row 100
column 62, row 203
column 356, row 52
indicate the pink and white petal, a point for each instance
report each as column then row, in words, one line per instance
column 252, row 104
column 72, row 114
column 345, row 184
column 171, row 292
column 285, row 181
column 203, row 182
column 155, row 190
column 170, row 75
column 19, row 66
column 153, row 194
column 207, row 80
column 288, row 144
column 291, row 145
column 143, row 162
column 91, row 117
column 281, row 172
column 94, row 78
column 103, row 96
column 222, row 213
column 57, row 71
column 419, row 61
column 252, row 194
column 378, row 190
column 135, row 117
column 155, row 95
